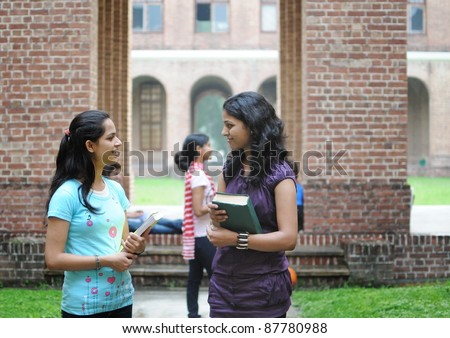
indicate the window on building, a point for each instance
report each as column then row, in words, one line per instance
column 268, row 16
column 416, row 16
column 151, row 112
column 147, row 16
column 211, row 16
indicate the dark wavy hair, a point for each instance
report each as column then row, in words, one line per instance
column 266, row 136
column 187, row 154
column 74, row 161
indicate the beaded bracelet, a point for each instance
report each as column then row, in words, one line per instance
column 98, row 266
column 242, row 241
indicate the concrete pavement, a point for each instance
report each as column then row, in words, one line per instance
column 166, row 303
column 430, row 220
column 171, row 302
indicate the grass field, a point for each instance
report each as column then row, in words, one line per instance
column 26, row 303
column 430, row 190
column 422, row 301
column 169, row 191
column 158, row 191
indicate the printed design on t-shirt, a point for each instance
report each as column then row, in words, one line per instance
column 113, row 231
column 89, row 222
column 91, row 296
column 111, row 285
column 114, row 199
column 111, row 281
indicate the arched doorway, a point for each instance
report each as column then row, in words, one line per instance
column 269, row 90
column 207, row 98
column 148, row 126
column 418, row 127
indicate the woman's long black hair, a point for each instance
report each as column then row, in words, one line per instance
column 74, row 161
column 187, row 154
column 266, row 136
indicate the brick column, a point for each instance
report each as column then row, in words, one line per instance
column 354, row 132
column 114, row 83
column 290, row 82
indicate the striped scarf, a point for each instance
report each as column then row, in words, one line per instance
column 188, row 251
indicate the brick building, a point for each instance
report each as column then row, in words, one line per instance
column 189, row 68
column 342, row 92
column 190, row 64
column 429, row 97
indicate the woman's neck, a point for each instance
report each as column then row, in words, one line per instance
column 98, row 184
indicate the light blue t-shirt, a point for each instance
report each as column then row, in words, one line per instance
column 89, row 292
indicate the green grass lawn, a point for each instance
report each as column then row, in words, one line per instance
column 170, row 191
column 430, row 190
column 421, row 301
column 158, row 191
column 26, row 303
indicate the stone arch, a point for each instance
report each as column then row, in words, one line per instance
column 207, row 97
column 148, row 123
column 149, row 102
column 418, row 126
column 269, row 90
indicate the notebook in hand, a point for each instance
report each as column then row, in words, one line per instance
column 241, row 213
column 151, row 220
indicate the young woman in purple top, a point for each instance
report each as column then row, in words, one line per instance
column 250, row 271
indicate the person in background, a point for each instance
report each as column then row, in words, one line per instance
column 87, row 231
column 250, row 271
column 137, row 217
column 164, row 225
column 300, row 198
column 199, row 191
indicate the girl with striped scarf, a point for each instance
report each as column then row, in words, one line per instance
column 199, row 191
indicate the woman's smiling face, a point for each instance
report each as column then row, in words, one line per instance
column 236, row 132
column 106, row 149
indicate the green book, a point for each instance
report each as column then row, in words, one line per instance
column 241, row 213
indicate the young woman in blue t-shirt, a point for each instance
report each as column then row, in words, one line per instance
column 87, row 231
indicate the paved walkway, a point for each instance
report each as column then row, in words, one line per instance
column 171, row 302
column 166, row 303
column 430, row 220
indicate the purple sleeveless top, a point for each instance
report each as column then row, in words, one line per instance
column 249, row 283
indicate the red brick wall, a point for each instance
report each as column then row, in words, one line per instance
column 372, row 260
column 47, row 61
column 389, row 258
column 51, row 69
column 348, row 86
